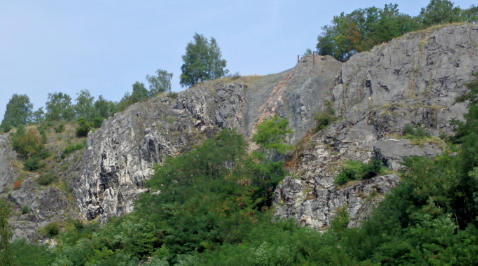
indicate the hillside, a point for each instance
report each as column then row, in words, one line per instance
column 369, row 100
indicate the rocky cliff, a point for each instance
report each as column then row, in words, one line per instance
column 410, row 80
column 120, row 155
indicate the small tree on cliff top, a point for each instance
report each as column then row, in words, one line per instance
column 202, row 61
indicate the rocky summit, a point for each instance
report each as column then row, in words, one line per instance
column 413, row 80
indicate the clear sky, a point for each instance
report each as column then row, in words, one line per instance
column 107, row 45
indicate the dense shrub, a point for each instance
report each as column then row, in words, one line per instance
column 410, row 131
column 46, row 179
column 32, row 164
column 354, row 170
column 71, row 148
column 52, row 229
column 83, row 127
column 25, row 209
column 173, row 95
column 325, row 118
column 97, row 121
column 60, row 128
column 27, row 142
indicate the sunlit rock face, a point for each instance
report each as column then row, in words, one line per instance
column 414, row 80
column 120, row 156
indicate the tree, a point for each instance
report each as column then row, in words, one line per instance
column 159, row 83
column 84, row 105
column 27, row 143
column 6, row 234
column 18, row 112
column 439, row 12
column 202, row 61
column 104, row 108
column 59, row 107
column 38, row 116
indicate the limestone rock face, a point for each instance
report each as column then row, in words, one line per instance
column 7, row 155
column 414, row 80
column 120, row 155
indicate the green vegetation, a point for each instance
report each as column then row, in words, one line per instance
column 202, row 61
column 362, row 29
column 46, row 179
column 354, row 170
column 18, row 112
column 25, row 209
column 412, row 132
column 71, row 148
column 52, row 229
column 6, row 253
column 83, row 127
column 325, row 118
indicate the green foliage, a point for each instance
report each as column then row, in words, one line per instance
column 52, row 229
column 59, row 107
column 441, row 12
column 60, row 128
column 472, row 95
column 411, row 132
column 71, row 148
column 325, row 118
column 362, row 29
column 202, row 61
column 25, row 209
column 18, row 112
column 38, row 116
column 32, row 164
column 6, row 234
column 97, row 121
column 84, row 107
column 104, row 108
column 46, row 179
column 25, row 254
column 173, row 95
column 160, row 83
column 354, row 170
column 83, row 127
column 27, row 143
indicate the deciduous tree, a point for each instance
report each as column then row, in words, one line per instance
column 202, row 61
column 18, row 112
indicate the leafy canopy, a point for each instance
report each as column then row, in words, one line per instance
column 202, row 61
column 18, row 112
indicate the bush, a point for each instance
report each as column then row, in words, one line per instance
column 25, row 209
column 354, row 170
column 97, row 121
column 46, row 179
column 27, row 143
column 410, row 131
column 17, row 184
column 83, row 127
column 52, row 229
column 60, row 128
column 420, row 132
column 173, row 95
column 324, row 119
column 78, row 225
column 71, row 148
column 32, row 164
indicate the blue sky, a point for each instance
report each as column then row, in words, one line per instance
column 105, row 46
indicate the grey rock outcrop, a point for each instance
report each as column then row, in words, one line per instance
column 315, row 207
column 392, row 151
column 411, row 80
column 120, row 156
column 414, row 80
column 7, row 156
